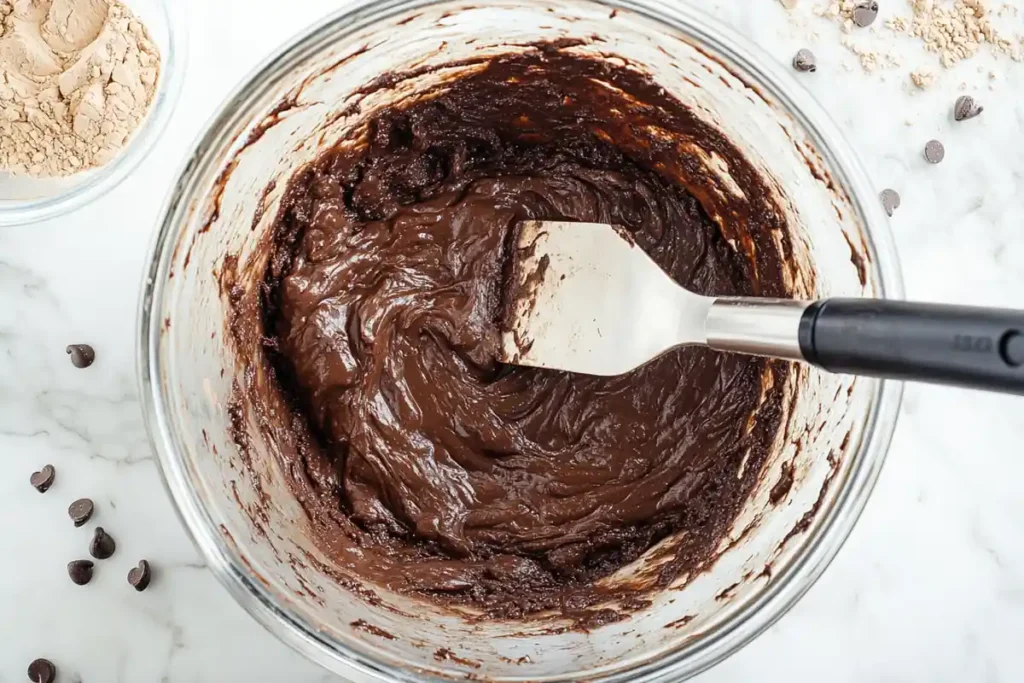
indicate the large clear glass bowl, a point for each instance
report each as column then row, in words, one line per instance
column 232, row 499
column 28, row 200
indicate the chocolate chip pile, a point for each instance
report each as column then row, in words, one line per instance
column 101, row 547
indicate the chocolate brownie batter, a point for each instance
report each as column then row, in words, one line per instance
column 429, row 467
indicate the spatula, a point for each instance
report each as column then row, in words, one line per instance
column 584, row 298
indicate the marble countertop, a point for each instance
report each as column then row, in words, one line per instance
column 930, row 586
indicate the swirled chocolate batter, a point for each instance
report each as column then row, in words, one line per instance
column 429, row 467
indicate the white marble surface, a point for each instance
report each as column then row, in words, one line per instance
column 930, row 587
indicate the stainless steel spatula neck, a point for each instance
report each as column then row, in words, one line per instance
column 591, row 301
column 761, row 327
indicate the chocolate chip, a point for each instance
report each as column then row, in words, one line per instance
column 42, row 671
column 139, row 576
column 80, row 511
column 890, row 200
column 43, row 479
column 805, row 61
column 966, row 108
column 865, row 13
column 82, row 355
column 934, row 152
column 80, row 571
column 102, row 546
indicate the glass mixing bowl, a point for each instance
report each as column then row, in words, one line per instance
column 25, row 199
column 225, row 479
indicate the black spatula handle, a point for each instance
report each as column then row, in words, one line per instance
column 979, row 348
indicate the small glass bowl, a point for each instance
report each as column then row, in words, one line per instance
column 25, row 199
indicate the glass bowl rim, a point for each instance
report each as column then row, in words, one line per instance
column 826, row 536
column 106, row 178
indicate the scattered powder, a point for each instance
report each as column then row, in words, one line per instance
column 871, row 58
column 953, row 30
column 838, row 11
column 77, row 77
column 899, row 25
column 922, row 78
column 956, row 31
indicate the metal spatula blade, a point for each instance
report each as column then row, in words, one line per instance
column 583, row 297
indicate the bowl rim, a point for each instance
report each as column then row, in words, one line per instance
column 102, row 180
column 830, row 530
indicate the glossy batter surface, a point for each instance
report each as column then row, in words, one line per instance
column 426, row 465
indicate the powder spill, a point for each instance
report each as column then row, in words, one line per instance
column 77, row 78
column 953, row 31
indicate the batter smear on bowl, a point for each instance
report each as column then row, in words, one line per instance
column 428, row 467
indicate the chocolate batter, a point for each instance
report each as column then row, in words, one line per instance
column 429, row 467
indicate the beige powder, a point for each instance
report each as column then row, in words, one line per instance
column 77, row 78
column 954, row 30
column 957, row 31
column 922, row 78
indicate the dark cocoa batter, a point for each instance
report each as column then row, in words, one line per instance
column 429, row 467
